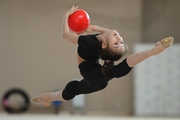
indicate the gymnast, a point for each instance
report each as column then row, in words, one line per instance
column 106, row 45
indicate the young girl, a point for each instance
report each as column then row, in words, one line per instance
column 108, row 46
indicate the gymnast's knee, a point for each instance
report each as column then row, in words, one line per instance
column 121, row 69
column 69, row 90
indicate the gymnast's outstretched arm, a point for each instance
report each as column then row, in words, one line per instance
column 67, row 35
column 96, row 28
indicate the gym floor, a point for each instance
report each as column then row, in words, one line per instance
column 76, row 117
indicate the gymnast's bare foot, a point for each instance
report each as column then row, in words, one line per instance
column 43, row 98
column 162, row 45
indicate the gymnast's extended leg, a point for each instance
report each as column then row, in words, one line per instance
column 136, row 58
column 72, row 89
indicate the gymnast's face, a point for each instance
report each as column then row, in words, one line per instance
column 115, row 41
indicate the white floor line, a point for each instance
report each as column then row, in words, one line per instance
column 74, row 117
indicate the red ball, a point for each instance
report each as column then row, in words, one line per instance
column 79, row 21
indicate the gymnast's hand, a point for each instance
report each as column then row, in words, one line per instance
column 72, row 10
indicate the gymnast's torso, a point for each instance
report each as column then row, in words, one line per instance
column 88, row 47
